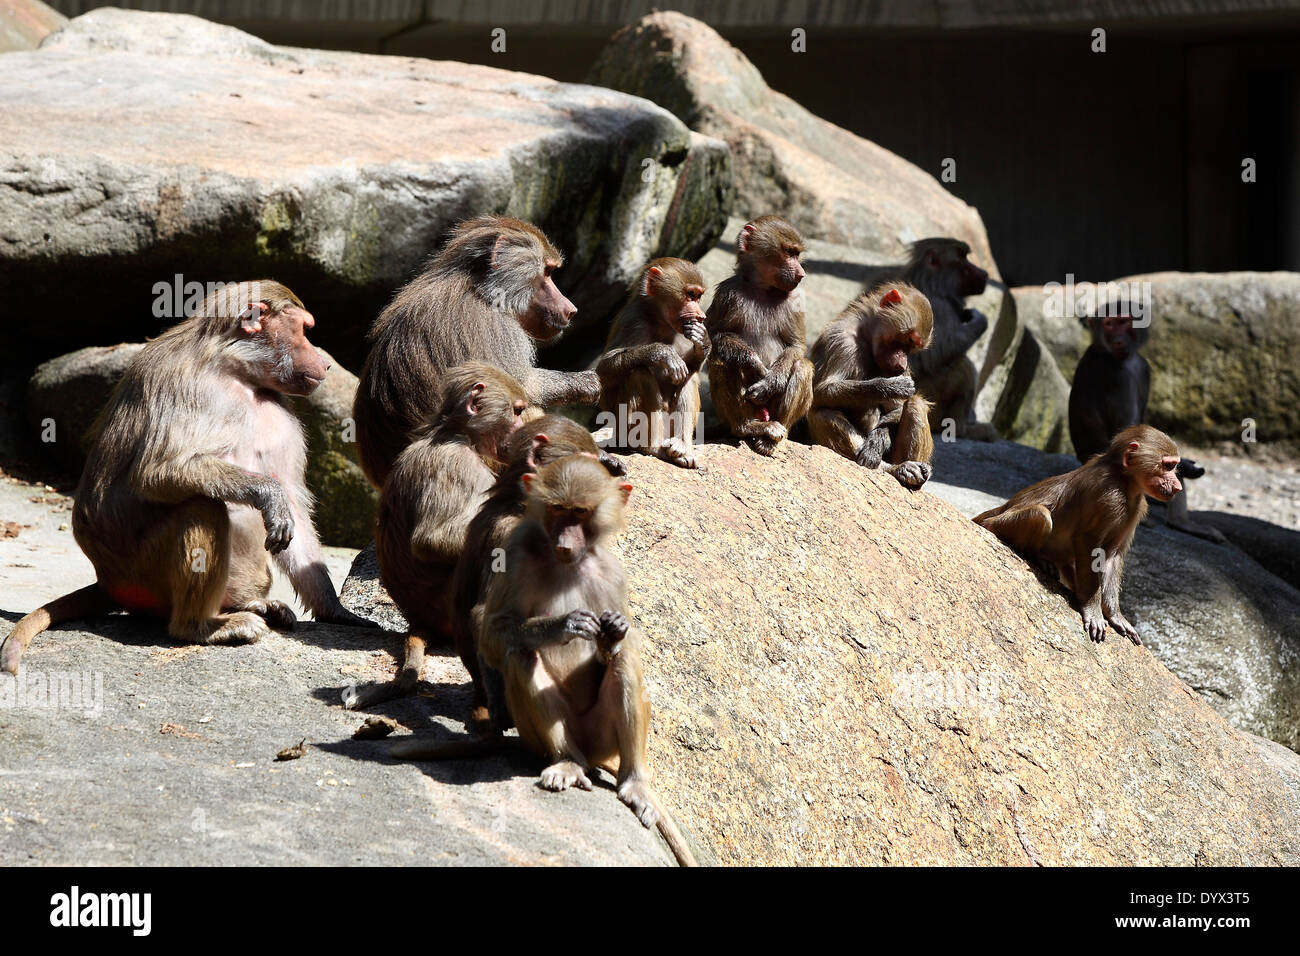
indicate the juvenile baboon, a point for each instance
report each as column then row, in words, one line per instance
column 649, row 374
column 433, row 491
column 759, row 378
column 1082, row 523
column 537, row 443
column 941, row 270
column 488, row 296
column 196, row 473
column 865, row 406
column 1111, row 384
column 555, row 627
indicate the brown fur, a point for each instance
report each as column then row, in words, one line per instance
column 487, row 296
column 557, row 632
column 196, row 472
column 759, row 378
column 862, row 411
column 435, row 488
column 1063, row 520
column 649, row 374
column 537, row 443
column 939, row 267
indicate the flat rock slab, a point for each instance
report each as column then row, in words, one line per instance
column 165, row 755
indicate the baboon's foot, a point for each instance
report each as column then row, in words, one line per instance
column 564, row 774
column 276, row 613
column 675, row 452
column 238, row 627
column 635, row 792
column 911, row 474
column 765, row 438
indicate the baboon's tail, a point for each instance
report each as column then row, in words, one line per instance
column 673, row 836
column 89, row 601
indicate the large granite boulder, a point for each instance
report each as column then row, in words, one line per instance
column 830, row 183
column 1215, row 616
column 846, row 672
column 337, row 173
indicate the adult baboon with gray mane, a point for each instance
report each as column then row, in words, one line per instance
column 196, row 474
column 488, row 296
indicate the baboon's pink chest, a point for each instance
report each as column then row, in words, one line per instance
column 271, row 439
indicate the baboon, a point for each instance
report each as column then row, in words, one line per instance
column 1111, row 384
column 865, row 406
column 649, row 374
column 537, row 443
column 196, row 473
column 941, row 270
column 759, row 377
column 433, row 491
column 1082, row 523
column 488, row 296
column 555, row 627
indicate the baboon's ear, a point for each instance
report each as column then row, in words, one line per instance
column 627, row 492
column 250, row 320
column 472, row 400
column 745, row 235
column 535, row 449
column 892, row 297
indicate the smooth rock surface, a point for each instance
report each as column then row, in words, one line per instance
column 336, row 173
column 161, row 754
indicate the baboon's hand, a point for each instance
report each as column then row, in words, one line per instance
column 694, row 330
column 580, row 625
column 612, row 464
column 899, row 386
column 674, row 370
column 613, row 627
column 761, row 392
column 277, row 516
column 975, row 319
column 912, row 474
column 1094, row 623
column 754, row 365
column 1120, row 623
